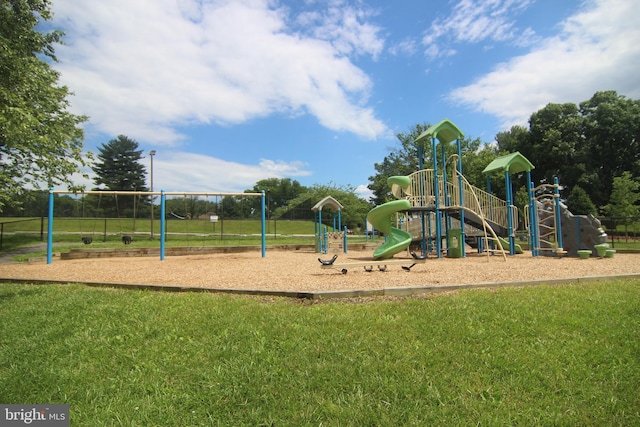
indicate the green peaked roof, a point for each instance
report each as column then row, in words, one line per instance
column 514, row 163
column 444, row 130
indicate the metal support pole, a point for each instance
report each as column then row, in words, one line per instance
column 264, row 226
column 512, row 240
column 461, row 193
column 345, row 240
column 533, row 218
column 163, row 199
column 50, row 229
column 151, row 154
column 436, row 190
column 556, row 196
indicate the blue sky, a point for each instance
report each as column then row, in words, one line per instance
column 229, row 92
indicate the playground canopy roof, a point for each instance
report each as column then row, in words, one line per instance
column 514, row 163
column 445, row 131
column 327, row 201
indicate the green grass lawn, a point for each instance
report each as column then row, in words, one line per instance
column 98, row 226
column 107, row 233
column 546, row 355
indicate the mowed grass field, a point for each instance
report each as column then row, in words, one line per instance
column 547, row 355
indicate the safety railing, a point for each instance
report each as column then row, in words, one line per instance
column 421, row 193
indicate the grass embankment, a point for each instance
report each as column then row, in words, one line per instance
column 547, row 355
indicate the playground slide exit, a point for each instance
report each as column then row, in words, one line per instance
column 397, row 240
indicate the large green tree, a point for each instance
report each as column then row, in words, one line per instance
column 584, row 145
column 353, row 213
column 118, row 168
column 557, row 144
column 354, row 208
column 40, row 140
column 278, row 191
column 612, row 137
column 402, row 160
column 624, row 198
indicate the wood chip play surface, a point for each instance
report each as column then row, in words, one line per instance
column 300, row 271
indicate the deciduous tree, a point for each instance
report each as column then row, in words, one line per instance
column 40, row 140
column 624, row 198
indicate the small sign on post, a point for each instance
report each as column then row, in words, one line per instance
column 213, row 219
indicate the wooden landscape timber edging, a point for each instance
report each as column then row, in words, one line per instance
column 175, row 251
column 324, row 295
column 82, row 253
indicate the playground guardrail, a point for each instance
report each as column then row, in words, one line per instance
column 421, row 193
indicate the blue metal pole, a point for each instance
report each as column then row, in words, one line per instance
column 345, row 240
column 163, row 225
column 512, row 241
column 556, row 196
column 422, row 198
column 320, row 232
column 533, row 218
column 263, row 224
column 50, row 228
column 325, row 243
column 445, row 195
column 437, row 199
column 461, row 191
column 533, row 223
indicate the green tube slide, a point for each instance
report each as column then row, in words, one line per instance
column 397, row 240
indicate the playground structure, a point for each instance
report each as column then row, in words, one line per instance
column 433, row 207
column 126, row 239
column 326, row 241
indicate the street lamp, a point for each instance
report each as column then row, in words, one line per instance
column 151, row 154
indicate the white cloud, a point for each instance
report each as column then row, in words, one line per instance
column 345, row 27
column 597, row 50
column 145, row 68
column 364, row 192
column 472, row 21
column 407, row 47
column 175, row 171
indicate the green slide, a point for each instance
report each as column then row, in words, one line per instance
column 505, row 245
column 397, row 240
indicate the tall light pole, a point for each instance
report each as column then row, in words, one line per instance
column 151, row 154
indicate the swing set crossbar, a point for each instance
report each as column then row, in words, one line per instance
column 154, row 193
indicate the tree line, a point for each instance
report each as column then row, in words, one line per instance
column 592, row 147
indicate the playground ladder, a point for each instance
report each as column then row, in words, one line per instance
column 547, row 224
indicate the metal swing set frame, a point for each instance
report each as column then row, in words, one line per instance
column 163, row 195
